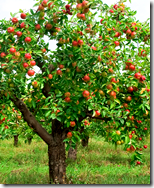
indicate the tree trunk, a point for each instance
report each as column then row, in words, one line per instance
column 56, row 153
column 29, row 140
column 72, row 153
column 84, row 141
column 16, row 140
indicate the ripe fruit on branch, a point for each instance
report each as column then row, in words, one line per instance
column 31, row 73
column 33, row 63
column 125, row 105
column 130, row 136
column 132, row 67
column 14, row 20
column 50, row 76
column 43, row 50
column 12, row 50
column 10, row 29
column 67, row 99
column 28, row 56
column 137, row 75
column 127, row 110
column 97, row 113
column 74, row 43
column 23, row 15
column 138, row 162
column 28, row 39
column 109, row 86
column 130, row 89
column 128, row 32
column 118, row 132
column 72, row 123
column 116, row 43
column 19, row 33
column 86, row 93
column 142, row 78
column 145, row 146
column 94, row 48
column 59, row 72
column 86, row 78
column 79, row 6
column 145, row 128
column 82, row 16
column 115, row 6
column 69, row 135
column 111, row 10
column 85, row 4
column 80, row 42
column 37, row 27
column 25, row 65
column 44, row 3
column 67, row 6
column 48, row 26
column 22, row 25
column 128, row 98
column 67, row 94
column 112, row 94
column 87, row 30
column 61, row 66
column 113, row 80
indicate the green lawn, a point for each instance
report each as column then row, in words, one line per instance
column 99, row 163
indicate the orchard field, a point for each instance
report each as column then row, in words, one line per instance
column 99, row 163
column 89, row 98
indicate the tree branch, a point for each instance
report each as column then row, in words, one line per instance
column 30, row 119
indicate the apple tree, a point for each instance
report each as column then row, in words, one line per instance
column 98, row 70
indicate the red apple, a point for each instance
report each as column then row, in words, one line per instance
column 44, row 3
column 111, row 10
column 130, row 89
column 137, row 75
column 79, row 6
column 86, row 93
column 80, row 42
column 86, row 78
column 74, row 43
column 72, row 123
column 14, row 20
column 115, row 6
column 48, row 26
column 82, row 16
column 85, row 4
column 50, row 76
column 69, row 135
column 23, row 15
column 145, row 128
column 67, row 6
column 67, row 94
column 28, row 56
column 94, row 48
column 25, row 65
column 31, row 72
column 22, row 25
column 28, row 39
column 33, row 63
column 113, row 80
column 12, row 50
column 37, row 27
column 59, row 72
column 10, row 29
column 97, row 113
column 142, row 78
column 109, row 86
column 130, row 136
column 145, row 146
column 132, row 67
column 138, row 162
column 67, row 99
column 128, row 98
column 116, row 43
column 19, row 33
column 128, row 32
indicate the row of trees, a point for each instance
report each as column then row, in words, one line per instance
column 97, row 72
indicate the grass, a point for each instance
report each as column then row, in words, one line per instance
column 98, row 163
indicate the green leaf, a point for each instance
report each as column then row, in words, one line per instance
column 47, row 113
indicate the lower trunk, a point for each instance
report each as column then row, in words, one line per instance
column 29, row 140
column 16, row 140
column 84, row 141
column 56, row 153
column 72, row 153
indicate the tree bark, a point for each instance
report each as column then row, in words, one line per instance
column 84, row 141
column 56, row 153
column 72, row 153
column 16, row 140
column 29, row 140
